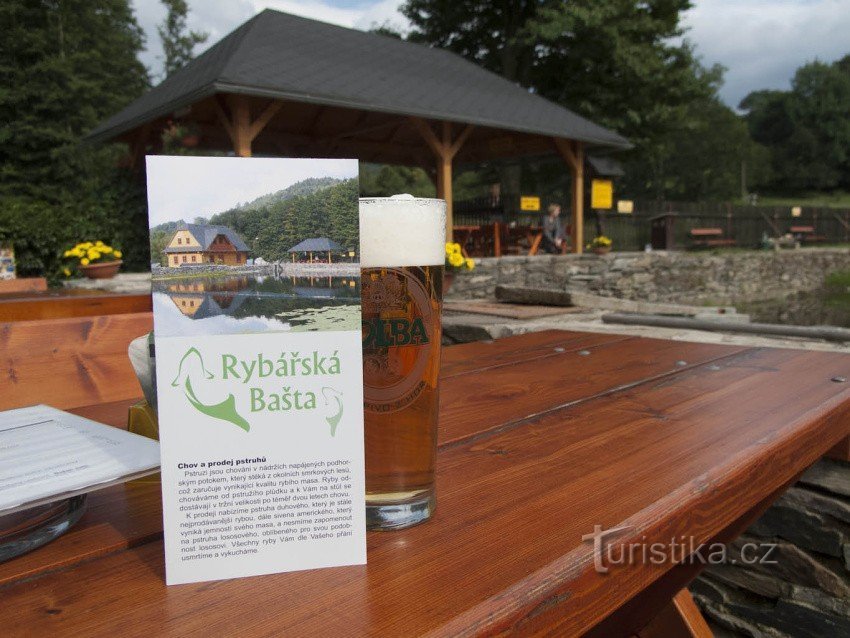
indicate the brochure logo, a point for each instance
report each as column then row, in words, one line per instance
column 224, row 410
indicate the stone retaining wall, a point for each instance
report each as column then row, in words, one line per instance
column 803, row 589
column 685, row 277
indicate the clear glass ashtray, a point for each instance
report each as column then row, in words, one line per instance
column 24, row 531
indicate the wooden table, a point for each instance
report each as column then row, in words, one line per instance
column 542, row 437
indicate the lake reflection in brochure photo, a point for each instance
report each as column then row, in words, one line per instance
column 250, row 303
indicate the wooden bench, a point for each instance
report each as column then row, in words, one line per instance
column 806, row 234
column 709, row 238
column 542, row 436
column 63, row 303
column 23, row 284
column 537, row 239
column 69, row 363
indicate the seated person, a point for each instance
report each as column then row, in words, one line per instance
column 553, row 231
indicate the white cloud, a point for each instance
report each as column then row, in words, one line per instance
column 220, row 17
column 762, row 42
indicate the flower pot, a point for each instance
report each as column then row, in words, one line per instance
column 103, row 270
column 601, row 250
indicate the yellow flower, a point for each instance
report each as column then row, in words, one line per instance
column 93, row 255
column 449, row 248
column 66, row 272
column 67, row 253
column 105, row 250
column 456, row 260
column 84, row 261
column 117, row 254
column 470, row 264
column 98, row 243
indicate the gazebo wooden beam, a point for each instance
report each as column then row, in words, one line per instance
column 238, row 124
column 444, row 148
column 573, row 154
column 265, row 117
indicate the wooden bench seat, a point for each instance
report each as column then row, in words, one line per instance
column 72, row 362
column 806, row 234
column 709, row 238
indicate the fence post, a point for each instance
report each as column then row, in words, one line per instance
column 729, row 220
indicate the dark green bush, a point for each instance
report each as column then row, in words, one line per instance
column 41, row 231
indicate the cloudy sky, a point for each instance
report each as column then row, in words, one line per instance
column 189, row 187
column 761, row 42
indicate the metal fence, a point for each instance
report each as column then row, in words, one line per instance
column 746, row 225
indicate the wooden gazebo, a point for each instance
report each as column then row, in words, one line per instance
column 282, row 85
column 316, row 246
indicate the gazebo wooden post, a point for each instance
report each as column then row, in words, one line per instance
column 573, row 154
column 138, row 146
column 444, row 149
column 238, row 124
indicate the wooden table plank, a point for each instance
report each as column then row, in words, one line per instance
column 525, row 388
column 480, row 355
column 689, row 452
column 116, row 518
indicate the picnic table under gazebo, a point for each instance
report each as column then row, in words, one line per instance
column 316, row 245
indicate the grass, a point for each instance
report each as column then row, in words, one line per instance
column 838, row 279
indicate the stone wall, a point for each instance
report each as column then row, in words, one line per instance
column 805, row 590
column 685, row 277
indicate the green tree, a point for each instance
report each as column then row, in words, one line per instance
column 806, row 129
column 178, row 41
column 65, row 65
column 383, row 180
column 616, row 62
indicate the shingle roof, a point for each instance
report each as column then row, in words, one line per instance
column 277, row 55
column 315, row 245
column 204, row 234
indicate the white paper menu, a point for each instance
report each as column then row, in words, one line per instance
column 47, row 454
column 259, row 366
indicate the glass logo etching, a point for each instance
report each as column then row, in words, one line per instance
column 401, row 333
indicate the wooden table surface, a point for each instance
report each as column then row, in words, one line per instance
column 541, row 438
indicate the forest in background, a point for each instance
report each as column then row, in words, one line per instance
column 274, row 223
column 622, row 63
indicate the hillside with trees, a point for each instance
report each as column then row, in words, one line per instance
column 274, row 223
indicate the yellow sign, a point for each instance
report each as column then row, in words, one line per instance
column 602, row 194
column 625, row 206
column 796, row 211
column 529, row 203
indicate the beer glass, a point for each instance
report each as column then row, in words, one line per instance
column 402, row 254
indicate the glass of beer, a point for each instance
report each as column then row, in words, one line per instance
column 402, row 253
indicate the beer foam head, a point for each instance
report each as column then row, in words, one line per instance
column 402, row 230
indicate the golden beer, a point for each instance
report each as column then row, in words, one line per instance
column 401, row 305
